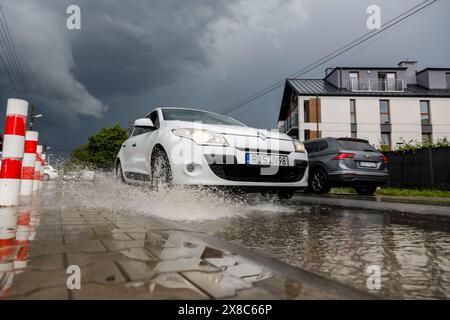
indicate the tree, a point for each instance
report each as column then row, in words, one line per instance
column 102, row 148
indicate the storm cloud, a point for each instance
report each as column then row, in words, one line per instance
column 132, row 55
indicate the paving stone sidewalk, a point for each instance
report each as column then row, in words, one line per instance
column 122, row 256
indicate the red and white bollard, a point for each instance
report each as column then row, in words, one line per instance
column 37, row 169
column 13, row 147
column 28, row 163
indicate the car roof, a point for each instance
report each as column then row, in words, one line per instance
column 337, row 139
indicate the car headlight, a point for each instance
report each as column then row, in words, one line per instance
column 202, row 136
column 298, row 146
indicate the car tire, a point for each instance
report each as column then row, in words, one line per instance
column 161, row 173
column 46, row 177
column 366, row 191
column 318, row 181
column 285, row 194
column 119, row 173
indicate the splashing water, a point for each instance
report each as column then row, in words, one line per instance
column 180, row 203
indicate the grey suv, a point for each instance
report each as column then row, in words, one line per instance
column 345, row 162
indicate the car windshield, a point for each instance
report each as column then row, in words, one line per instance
column 199, row 116
column 355, row 145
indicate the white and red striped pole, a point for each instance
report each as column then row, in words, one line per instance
column 28, row 163
column 13, row 147
column 37, row 169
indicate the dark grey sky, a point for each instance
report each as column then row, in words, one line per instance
column 132, row 55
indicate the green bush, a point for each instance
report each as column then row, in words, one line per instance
column 413, row 146
column 102, row 148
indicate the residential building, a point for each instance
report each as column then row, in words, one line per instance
column 384, row 105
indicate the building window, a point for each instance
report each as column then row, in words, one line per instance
column 447, row 76
column 352, row 111
column 427, row 138
column 353, row 78
column 386, row 139
column 425, row 112
column 306, row 110
column 384, row 112
column 311, row 134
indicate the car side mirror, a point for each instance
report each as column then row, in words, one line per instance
column 144, row 123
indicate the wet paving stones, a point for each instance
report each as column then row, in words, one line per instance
column 122, row 256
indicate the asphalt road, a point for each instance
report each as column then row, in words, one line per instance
column 339, row 237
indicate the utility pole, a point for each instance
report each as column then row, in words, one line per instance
column 33, row 116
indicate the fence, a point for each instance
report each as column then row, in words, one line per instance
column 423, row 169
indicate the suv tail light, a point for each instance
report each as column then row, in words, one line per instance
column 341, row 156
column 384, row 159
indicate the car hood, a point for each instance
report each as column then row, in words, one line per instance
column 231, row 130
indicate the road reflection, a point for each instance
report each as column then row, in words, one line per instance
column 413, row 253
column 17, row 228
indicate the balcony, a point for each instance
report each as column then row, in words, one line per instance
column 373, row 85
column 290, row 125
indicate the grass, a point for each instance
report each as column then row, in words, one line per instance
column 431, row 193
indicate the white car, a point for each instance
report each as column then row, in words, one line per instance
column 179, row 146
column 50, row 173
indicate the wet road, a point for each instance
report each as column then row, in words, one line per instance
column 412, row 251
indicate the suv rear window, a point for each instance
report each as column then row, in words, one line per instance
column 355, row 145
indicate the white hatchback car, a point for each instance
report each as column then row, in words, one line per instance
column 179, row 146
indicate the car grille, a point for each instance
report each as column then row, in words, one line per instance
column 246, row 173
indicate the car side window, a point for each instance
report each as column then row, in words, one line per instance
column 155, row 118
column 311, row 147
column 322, row 145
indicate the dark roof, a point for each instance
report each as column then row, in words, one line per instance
column 433, row 69
column 324, row 88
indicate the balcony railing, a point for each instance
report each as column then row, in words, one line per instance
column 372, row 85
column 290, row 123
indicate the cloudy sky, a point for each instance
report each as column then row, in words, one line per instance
column 132, row 55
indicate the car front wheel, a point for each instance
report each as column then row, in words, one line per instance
column 160, row 170
column 119, row 173
column 318, row 181
column 366, row 191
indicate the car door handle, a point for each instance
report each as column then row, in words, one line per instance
column 133, row 145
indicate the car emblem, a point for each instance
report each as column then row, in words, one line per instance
column 367, row 156
column 262, row 136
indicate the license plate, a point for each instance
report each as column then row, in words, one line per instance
column 266, row 160
column 366, row 164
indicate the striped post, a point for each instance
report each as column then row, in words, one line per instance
column 13, row 147
column 37, row 169
column 28, row 163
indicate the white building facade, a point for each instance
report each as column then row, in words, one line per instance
column 386, row 106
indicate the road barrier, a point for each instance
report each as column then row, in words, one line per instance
column 28, row 163
column 13, row 151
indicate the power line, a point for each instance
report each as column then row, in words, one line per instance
column 14, row 51
column 9, row 59
column 334, row 54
